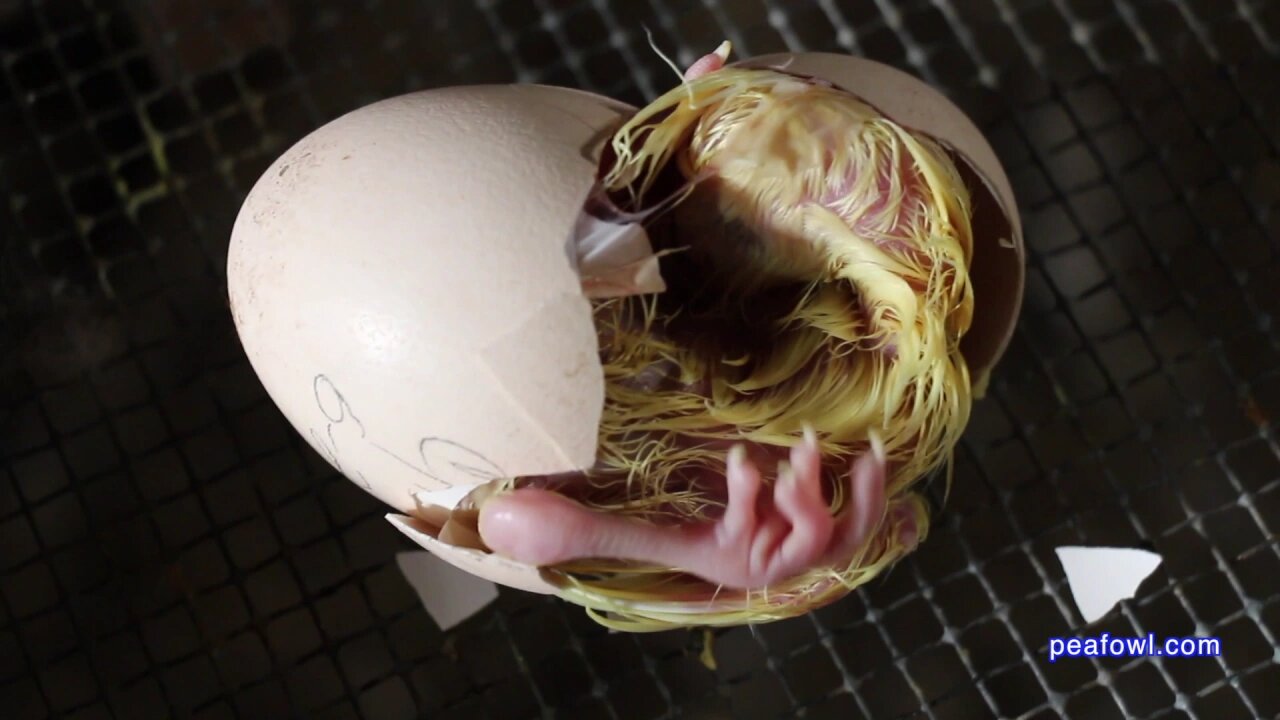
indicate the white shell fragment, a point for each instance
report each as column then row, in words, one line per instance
column 616, row 259
column 482, row 564
column 449, row 595
column 447, row 499
column 1100, row 577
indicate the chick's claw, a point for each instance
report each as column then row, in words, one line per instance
column 709, row 63
column 766, row 534
column 866, row 506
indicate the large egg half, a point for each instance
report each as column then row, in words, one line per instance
column 404, row 284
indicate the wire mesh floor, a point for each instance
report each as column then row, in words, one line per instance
column 170, row 548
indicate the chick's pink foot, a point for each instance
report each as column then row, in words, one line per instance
column 760, row 540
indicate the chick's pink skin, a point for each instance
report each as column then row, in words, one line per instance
column 762, row 538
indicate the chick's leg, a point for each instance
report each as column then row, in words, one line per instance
column 763, row 537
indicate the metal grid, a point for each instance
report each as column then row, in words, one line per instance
column 170, row 548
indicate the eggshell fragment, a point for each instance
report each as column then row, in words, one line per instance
column 450, row 595
column 489, row 566
column 998, row 266
column 407, row 282
column 1101, row 577
column 616, row 259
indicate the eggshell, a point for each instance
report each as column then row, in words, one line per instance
column 998, row 267
column 489, row 566
column 407, row 284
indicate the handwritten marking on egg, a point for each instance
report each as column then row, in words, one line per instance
column 443, row 462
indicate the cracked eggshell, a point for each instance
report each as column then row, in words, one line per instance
column 405, row 284
column 490, row 566
column 998, row 267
